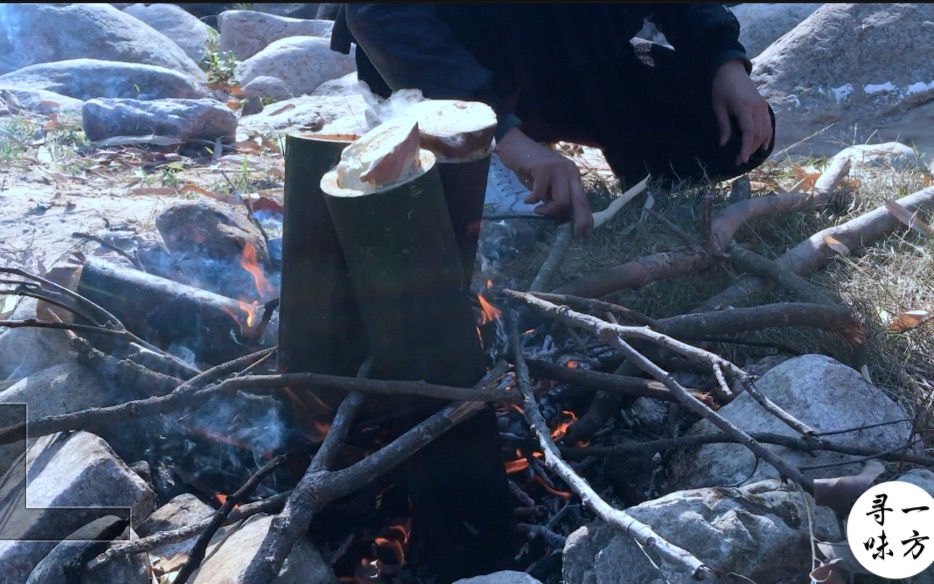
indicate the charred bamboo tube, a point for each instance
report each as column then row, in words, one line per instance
column 207, row 327
column 320, row 330
column 409, row 280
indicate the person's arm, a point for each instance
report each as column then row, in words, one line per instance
column 411, row 46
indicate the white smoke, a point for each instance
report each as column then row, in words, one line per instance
column 379, row 110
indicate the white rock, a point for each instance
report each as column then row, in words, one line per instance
column 268, row 87
column 762, row 24
column 42, row 33
column 759, row 531
column 184, row 29
column 78, row 471
column 302, row 63
column 504, row 577
column 88, row 78
column 817, row 390
column 843, row 65
column 177, row 513
column 247, row 32
column 25, row 350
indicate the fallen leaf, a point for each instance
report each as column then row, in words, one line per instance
column 805, row 180
column 283, row 109
column 839, row 493
column 152, row 191
column 908, row 218
column 248, row 147
column 233, row 104
column 828, row 572
column 909, row 320
column 836, row 245
column 840, row 550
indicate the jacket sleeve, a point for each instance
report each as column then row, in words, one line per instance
column 710, row 32
column 411, row 46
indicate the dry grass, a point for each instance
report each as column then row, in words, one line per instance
column 881, row 281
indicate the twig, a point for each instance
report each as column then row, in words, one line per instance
column 754, row 263
column 540, row 531
column 593, row 304
column 248, row 205
column 601, row 217
column 340, row 426
column 257, row 332
column 612, row 334
column 683, row 235
column 863, row 459
column 196, row 554
column 543, row 279
column 134, row 259
column 618, row 519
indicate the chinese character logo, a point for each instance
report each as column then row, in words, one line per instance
column 890, row 528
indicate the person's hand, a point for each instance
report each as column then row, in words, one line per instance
column 735, row 95
column 555, row 181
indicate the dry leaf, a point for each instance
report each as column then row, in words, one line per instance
column 840, row 550
column 190, row 188
column 839, row 493
column 836, row 245
column 828, row 573
column 805, row 180
column 233, row 104
column 248, row 147
column 283, row 109
column 909, row 320
column 908, row 218
column 152, row 191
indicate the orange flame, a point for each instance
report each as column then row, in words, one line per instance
column 221, row 498
column 251, row 264
column 562, row 428
column 488, row 311
column 571, row 365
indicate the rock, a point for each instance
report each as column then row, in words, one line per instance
column 920, row 477
column 815, row 389
column 61, row 389
column 336, row 107
column 87, row 78
column 39, row 101
column 302, row 63
column 78, row 471
column 180, row 511
column 25, row 350
column 226, row 562
column 763, row 365
column 504, row 577
column 247, row 32
column 649, row 413
column 268, row 87
column 33, row 33
column 760, row 25
column 133, row 569
column 759, row 531
column 185, row 119
column 207, row 229
column 185, row 30
column 844, row 65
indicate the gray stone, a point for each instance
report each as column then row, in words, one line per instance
column 920, row 477
column 134, row 569
column 336, row 107
column 181, row 511
column 87, row 78
column 39, row 101
column 185, row 119
column 303, row 63
column 269, row 87
column 846, row 65
column 184, row 29
column 207, row 229
column 227, row 560
column 759, row 531
column 760, row 25
column 42, row 33
column 504, row 577
column 60, row 389
column 649, row 413
column 247, row 32
column 817, row 390
column 25, row 350
column 78, row 471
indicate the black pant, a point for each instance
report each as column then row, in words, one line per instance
column 647, row 109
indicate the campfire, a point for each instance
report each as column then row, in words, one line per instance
column 359, row 399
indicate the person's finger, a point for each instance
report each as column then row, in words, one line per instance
column 766, row 125
column 583, row 217
column 723, row 121
column 748, row 128
column 539, row 189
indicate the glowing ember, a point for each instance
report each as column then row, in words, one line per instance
column 221, row 498
column 489, row 313
column 251, row 264
column 562, row 428
column 514, row 466
column 571, row 365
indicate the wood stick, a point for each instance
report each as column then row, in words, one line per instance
column 594, row 304
column 758, row 265
column 643, row 534
column 551, row 264
column 601, row 217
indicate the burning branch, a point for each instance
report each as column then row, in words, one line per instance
column 642, row 533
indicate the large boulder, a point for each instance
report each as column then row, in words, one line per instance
column 25, row 350
column 185, row 119
column 247, row 32
column 185, row 30
column 42, row 33
column 817, row 390
column 503, row 577
column 847, row 65
column 39, row 101
column 303, row 63
column 78, row 471
column 762, row 24
column 759, row 531
column 88, row 78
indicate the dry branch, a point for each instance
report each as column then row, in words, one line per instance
column 763, row 267
column 642, row 533
column 813, row 253
column 641, row 271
